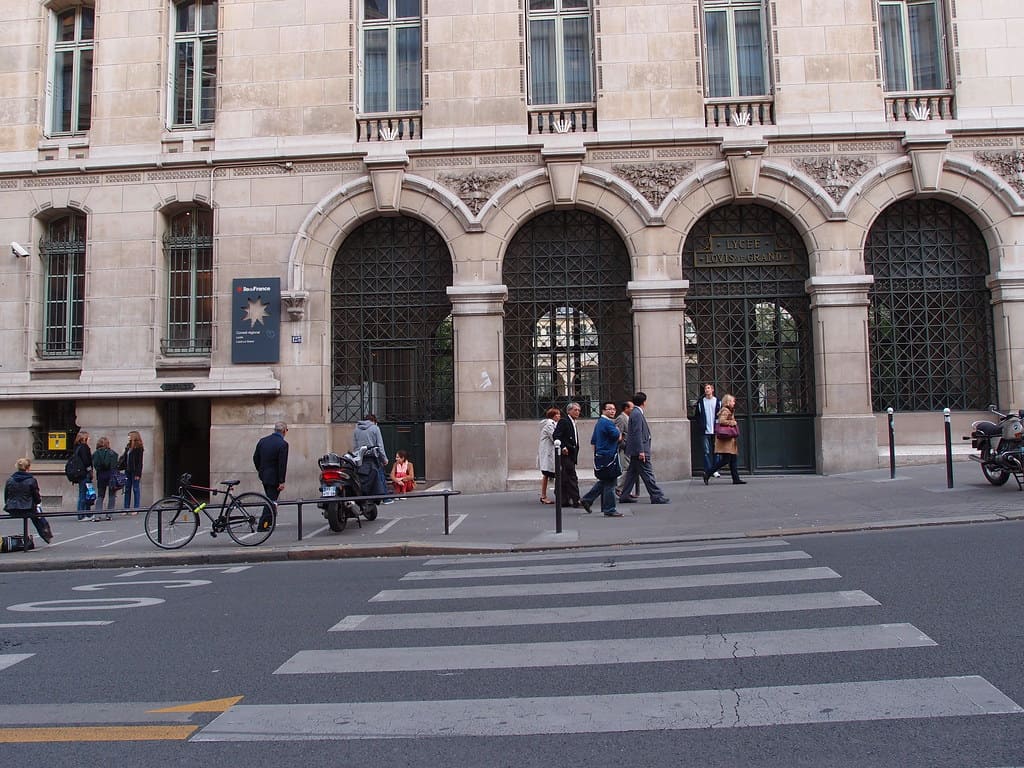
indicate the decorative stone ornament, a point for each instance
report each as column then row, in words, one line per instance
column 835, row 174
column 475, row 187
column 654, row 180
column 1009, row 165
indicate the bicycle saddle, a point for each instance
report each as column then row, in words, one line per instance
column 230, row 483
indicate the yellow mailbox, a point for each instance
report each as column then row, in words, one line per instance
column 57, row 441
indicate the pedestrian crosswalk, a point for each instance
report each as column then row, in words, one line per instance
column 586, row 611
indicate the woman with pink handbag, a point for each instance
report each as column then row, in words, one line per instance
column 727, row 433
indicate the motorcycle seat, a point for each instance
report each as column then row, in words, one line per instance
column 988, row 428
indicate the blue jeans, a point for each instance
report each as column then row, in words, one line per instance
column 709, row 453
column 606, row 490
column 132, row 488
column 84, row 505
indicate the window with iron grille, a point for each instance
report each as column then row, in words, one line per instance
column 53, row 416
column 193, row 91
column 391, row 324
column 913, row 45
column 392, row 56
column 70, row 79
column 568, row 320
column 735, row 49
column 930, row 317
column 63, row 254
column 750, row 314
column 188, row 247
column 561, row 58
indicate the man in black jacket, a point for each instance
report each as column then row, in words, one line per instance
column 566, row 431
column 271, row 461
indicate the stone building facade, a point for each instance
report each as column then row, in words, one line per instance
column 476, row 210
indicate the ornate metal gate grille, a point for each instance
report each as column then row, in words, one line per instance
column 568, row 323
column 750, row 319
column 391, row 324
column 930, row 320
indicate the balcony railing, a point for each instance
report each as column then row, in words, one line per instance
column 919, row 105
column 580, row 118
column 401, row 127
column 752, row 110
column 184, row 347
column 60, row 350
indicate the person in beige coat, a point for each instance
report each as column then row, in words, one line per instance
column 727, row 448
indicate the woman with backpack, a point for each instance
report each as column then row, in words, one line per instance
column 104, row 460
column 81, row 458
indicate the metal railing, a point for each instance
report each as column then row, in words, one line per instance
column 179, row 347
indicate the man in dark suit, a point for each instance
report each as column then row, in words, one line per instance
column 638, row 447
column 565, row 430
column 271, row 461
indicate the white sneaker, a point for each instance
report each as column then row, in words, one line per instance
column 716, row 474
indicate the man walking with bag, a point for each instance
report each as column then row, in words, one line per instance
column 271, row 461
column 606, row 462
column 638, row 446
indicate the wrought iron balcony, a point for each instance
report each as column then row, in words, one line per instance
column 578, row 118
column 185, row 347
column 920, row 105
column 60, row 350
column 751, row 110
column 395, row 127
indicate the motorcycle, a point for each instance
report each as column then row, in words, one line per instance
column 340, row 478
column 1002, row 447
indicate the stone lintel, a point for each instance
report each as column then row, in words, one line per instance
column 839, row 290
column 657, row 295
column 386, row 175
column 478, row 299
column 927, row 155
column 1006, row 286
column 564, row 165
column 744, row 160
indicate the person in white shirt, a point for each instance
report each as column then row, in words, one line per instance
column 706, row 413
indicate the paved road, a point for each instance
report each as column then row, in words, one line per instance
column 884, row 648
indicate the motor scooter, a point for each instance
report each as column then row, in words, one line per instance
column 340, row 478
column 1001, row 445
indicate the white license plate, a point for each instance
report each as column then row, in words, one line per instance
column 328, row 490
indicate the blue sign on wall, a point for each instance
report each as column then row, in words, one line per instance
column 256, row 320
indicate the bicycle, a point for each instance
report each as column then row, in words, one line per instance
column 172, row 521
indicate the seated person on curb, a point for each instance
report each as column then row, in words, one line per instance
column 403, row 474
column 22, row 498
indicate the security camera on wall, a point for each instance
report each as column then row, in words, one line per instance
column 18, row 250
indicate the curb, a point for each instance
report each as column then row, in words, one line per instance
column 429, row 549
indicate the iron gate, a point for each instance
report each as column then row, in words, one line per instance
column 748, row 317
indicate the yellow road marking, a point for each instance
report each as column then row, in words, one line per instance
column 97, row 733
column 213, row 705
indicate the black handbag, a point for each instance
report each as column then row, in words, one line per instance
column 605, row 468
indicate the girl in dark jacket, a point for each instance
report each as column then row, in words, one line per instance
column 132, row 457
column 22, row 499
column 84, row 454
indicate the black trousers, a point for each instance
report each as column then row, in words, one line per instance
column 569, row 490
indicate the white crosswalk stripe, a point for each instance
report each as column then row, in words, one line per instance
column 10, row 659
column 628, row 633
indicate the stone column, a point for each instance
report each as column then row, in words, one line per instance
column 846, row 431
column 479, row 441
column 1007, row 289
column 660, row 367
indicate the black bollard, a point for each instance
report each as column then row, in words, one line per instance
column 558, row 486
column 949, row 450
column 892, row 444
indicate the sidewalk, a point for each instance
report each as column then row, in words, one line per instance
column 768, row 505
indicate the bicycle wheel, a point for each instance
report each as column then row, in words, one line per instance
column 251, row 519
column 171, row 523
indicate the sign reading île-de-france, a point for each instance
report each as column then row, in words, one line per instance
column 744, row 251
column 256, row 320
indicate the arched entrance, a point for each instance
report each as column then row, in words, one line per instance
column 391, row 331
column 749, row 333
column 568, row 323
column 930, row 320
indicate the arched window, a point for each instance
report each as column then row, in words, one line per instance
column 568, row 322
column 63, row 254
column 188, row 247
column 930, row 319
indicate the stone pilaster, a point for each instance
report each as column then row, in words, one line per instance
column 845, row 428
column 1007, row 289
column 479, row 435
column 659, row 362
